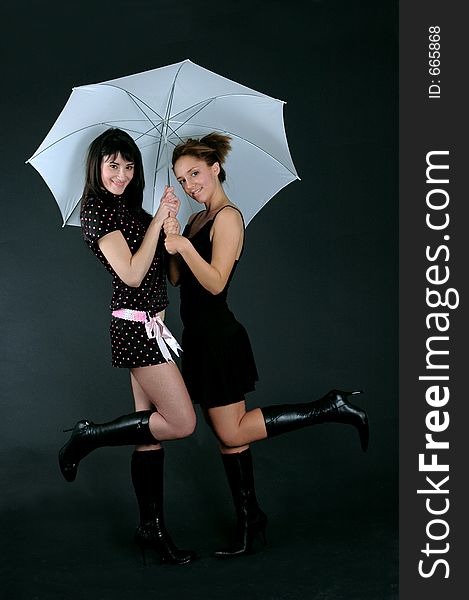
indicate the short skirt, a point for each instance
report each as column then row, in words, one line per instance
column 218, row 365
column 130, row 345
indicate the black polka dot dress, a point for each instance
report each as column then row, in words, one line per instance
column 131, row 347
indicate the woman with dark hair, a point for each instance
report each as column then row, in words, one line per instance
column 129, row 243
column 217, row 364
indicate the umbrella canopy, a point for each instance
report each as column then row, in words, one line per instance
column 161, row 108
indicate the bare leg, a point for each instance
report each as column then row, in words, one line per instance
column 162, row 387
column 142, row 402
column 157, row 387
column 235, row 427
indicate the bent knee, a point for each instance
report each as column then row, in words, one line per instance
column 229, row 439
column 186, row 426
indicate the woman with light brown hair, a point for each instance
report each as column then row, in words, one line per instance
column 217, row 363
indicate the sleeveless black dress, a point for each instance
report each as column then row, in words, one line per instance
column 217, row 361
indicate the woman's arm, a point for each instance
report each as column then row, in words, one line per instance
column 172, row 227
column 227, row 239
column 132, row 268
column 174, row 268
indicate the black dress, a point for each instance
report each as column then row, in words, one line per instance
column 217, row 361
column 130, row 344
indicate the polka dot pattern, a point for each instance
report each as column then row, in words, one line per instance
column 129, row 342
column 131, row 346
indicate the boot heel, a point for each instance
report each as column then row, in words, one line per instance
column 362, row 426
column 364, row 433
column 256, row 533
column 360, row 417
column 343, row 394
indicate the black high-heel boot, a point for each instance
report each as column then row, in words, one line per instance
column 147, row 469
column 86, row 436
column 334, row 407
column 251, row 520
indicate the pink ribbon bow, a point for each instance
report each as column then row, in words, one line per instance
column 156, row 329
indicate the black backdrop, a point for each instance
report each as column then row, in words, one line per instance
column 316, row 289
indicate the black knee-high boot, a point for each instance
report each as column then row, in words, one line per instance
column 251, row 521
column 147, row 469
column 86, row 436
column 334, row 407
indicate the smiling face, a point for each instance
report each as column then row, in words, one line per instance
column 116, row 173
column 198, row 180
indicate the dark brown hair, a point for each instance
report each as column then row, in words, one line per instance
column 111, row 143
column 211, row 148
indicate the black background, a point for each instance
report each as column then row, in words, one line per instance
column 317, row 291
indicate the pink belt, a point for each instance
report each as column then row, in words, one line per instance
column 154, row 327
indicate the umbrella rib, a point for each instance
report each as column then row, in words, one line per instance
column 239, row 137
column 134, row 97
column 83, row 129
column 63, row 138
column 166, row 121
column 206, row 103
column 171, row 94
column 209, row 100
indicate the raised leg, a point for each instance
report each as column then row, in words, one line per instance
column 236, row 428
column 334, row 407
column 163, row 388
column 165, row 413
column 87, row 436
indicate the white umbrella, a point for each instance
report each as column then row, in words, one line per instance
column 159, row 109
